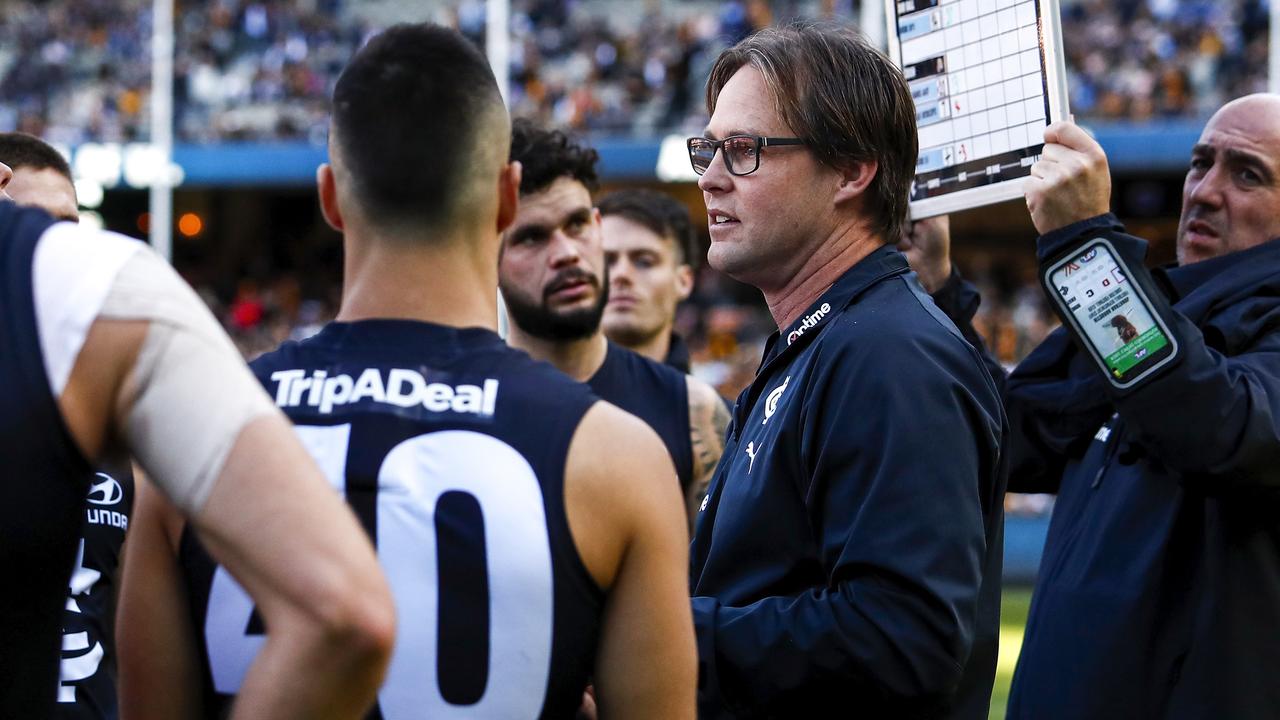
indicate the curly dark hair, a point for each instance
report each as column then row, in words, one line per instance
column 548, row 155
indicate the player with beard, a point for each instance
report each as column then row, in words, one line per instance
column 553, row 279
column 524, row 538
column 87, row 686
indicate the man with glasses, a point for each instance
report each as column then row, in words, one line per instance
column 848, row 554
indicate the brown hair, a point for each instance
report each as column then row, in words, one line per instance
column 844, row 98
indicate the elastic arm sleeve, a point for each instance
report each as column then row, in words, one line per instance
column 194, row 392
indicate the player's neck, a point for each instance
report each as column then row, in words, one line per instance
column 819, row 272
column 654, row 347
column 436, row 283
column 579, row 359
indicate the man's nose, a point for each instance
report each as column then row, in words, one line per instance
column 564, row 250
column 619, row 272
column 716, row 177
column 1207, row 190
column 6, row 174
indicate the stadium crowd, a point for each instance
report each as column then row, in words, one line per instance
column 263, row 69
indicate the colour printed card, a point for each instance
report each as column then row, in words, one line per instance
column 987, row 76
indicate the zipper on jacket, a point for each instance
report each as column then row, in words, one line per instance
column 1109, row 453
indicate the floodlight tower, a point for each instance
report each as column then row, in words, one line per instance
column 161, row 230
column 497, row 41
column 1273, row 49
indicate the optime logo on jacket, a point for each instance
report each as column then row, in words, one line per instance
column 810, row 321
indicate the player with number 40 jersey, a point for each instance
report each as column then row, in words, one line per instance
column 451, row 448
column 531, row 534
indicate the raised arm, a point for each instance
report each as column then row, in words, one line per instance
column 623, row 506
column 1230, row 380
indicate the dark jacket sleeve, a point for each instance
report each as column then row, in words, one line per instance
column 1213, row 416
column 959, row 300
column 899, row 445
column 1214, row 419
column 1054, row 402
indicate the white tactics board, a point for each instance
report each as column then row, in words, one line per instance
column 986, row 77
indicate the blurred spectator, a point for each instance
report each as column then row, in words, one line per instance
column 263, row 69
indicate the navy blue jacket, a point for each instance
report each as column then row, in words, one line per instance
column 848, row 553
column 1159, row 590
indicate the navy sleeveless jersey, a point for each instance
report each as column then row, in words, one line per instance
column 657, row 394
column 450, row 446
column 87, row 682
column 44, row 478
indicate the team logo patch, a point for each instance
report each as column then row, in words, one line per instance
column 771, row 402
column 107, row 492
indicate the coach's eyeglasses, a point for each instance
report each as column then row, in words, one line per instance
column 741, row 152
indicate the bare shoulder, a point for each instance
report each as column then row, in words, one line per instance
column 708, row 418
column 620, row 484
column 702, row 396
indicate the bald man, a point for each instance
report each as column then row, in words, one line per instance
column 1159, row 591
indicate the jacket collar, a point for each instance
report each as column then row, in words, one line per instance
column 785, row 344
column 1243, row 269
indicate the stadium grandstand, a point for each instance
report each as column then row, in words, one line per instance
column 252, row 81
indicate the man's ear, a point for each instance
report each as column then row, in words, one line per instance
column 854, row 180
column 509, row 194
column 684, row 281
column 327, row 185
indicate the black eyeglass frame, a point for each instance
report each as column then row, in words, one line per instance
column 717, row 146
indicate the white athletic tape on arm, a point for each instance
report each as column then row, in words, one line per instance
column 73, row 269
column 195, row 393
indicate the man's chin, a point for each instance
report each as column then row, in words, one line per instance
column 627, row 334
column 731, row 261
column 1193, row 247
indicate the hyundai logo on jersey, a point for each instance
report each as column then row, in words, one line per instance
column 810, row 322
column 107, row 492
column 401, row 387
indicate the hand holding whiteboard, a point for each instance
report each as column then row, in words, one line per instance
column 1071, row 181
column 987, row 78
